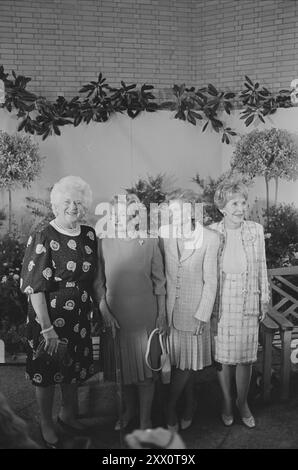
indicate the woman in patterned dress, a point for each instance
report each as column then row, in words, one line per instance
column 243, row 297
column 191, row 273
column 130, row 288
column 57, row 274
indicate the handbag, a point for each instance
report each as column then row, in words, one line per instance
column 165, row 362
column 61, row 356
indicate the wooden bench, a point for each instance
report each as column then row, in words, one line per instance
column 283, row 311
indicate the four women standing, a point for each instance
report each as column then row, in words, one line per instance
column 64, row 267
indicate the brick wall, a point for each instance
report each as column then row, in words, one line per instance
column 254, row 37
column 63, row 44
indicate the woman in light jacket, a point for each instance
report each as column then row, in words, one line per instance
column 243, row 297
column 191, row 273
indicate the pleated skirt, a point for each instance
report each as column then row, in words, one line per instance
column 133, row 346
column 188, row 351
column 237, row 336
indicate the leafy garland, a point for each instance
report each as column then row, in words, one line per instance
column 98, row 101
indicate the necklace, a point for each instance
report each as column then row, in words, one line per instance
column 72, row 231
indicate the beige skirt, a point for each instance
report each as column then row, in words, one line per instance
column 132, row 352
column 237, row 336
column 188, row 351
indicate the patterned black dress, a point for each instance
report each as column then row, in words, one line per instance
column 62, row 267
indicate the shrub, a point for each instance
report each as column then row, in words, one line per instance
column 281, row 235
column 13, row 304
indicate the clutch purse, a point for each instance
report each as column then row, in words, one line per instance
column 61, row 356
column 165, row 362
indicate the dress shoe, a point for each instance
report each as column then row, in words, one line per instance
column 50, row 445
column 249, row 421
column 227, row 420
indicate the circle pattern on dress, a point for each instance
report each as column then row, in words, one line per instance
column 91, row 235
column 69, row 305
column 47, row 273
column 72, row 244
column 71, row 266
column 59, row 322
column 37, row 378
column 40, row 248
column 54, row 245
column 86, row 266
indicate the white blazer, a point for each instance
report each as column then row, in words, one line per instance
column 192, row 280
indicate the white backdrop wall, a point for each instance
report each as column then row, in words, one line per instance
column 111, row 156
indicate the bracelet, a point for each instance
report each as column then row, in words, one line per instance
column 47, row 330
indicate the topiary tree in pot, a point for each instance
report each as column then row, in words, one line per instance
column 20, row 164
column 271, row 153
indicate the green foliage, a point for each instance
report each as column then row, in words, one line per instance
column 150, row 190
column 13, row 304
column 281, row 236
column 98, row 101
column 271, row 153
column 260, row 102
column 202, row 105
column 20, row 161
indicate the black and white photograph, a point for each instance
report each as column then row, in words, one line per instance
column 149, row 228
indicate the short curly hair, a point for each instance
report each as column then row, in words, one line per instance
column 72, row 183
column 227, row 190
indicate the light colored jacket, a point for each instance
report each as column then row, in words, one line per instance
column 191, row 281
column 256, row 290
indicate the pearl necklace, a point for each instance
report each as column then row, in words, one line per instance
column 71, row 231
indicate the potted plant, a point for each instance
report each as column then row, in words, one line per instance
column 20, row 164
column 270, row 153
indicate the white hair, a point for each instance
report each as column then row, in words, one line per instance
column 72, row 183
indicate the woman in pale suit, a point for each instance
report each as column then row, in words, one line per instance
column 191, row 273
column 243, row 297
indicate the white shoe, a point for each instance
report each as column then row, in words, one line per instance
column 249, row 422
column 227, row 420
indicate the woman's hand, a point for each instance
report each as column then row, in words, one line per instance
column 52, row 342
column 108, row 319
column 162, row 324
column 263, row 311
column 200, row 327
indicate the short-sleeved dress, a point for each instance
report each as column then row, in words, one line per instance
column 132, row 276
column 62, row 267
